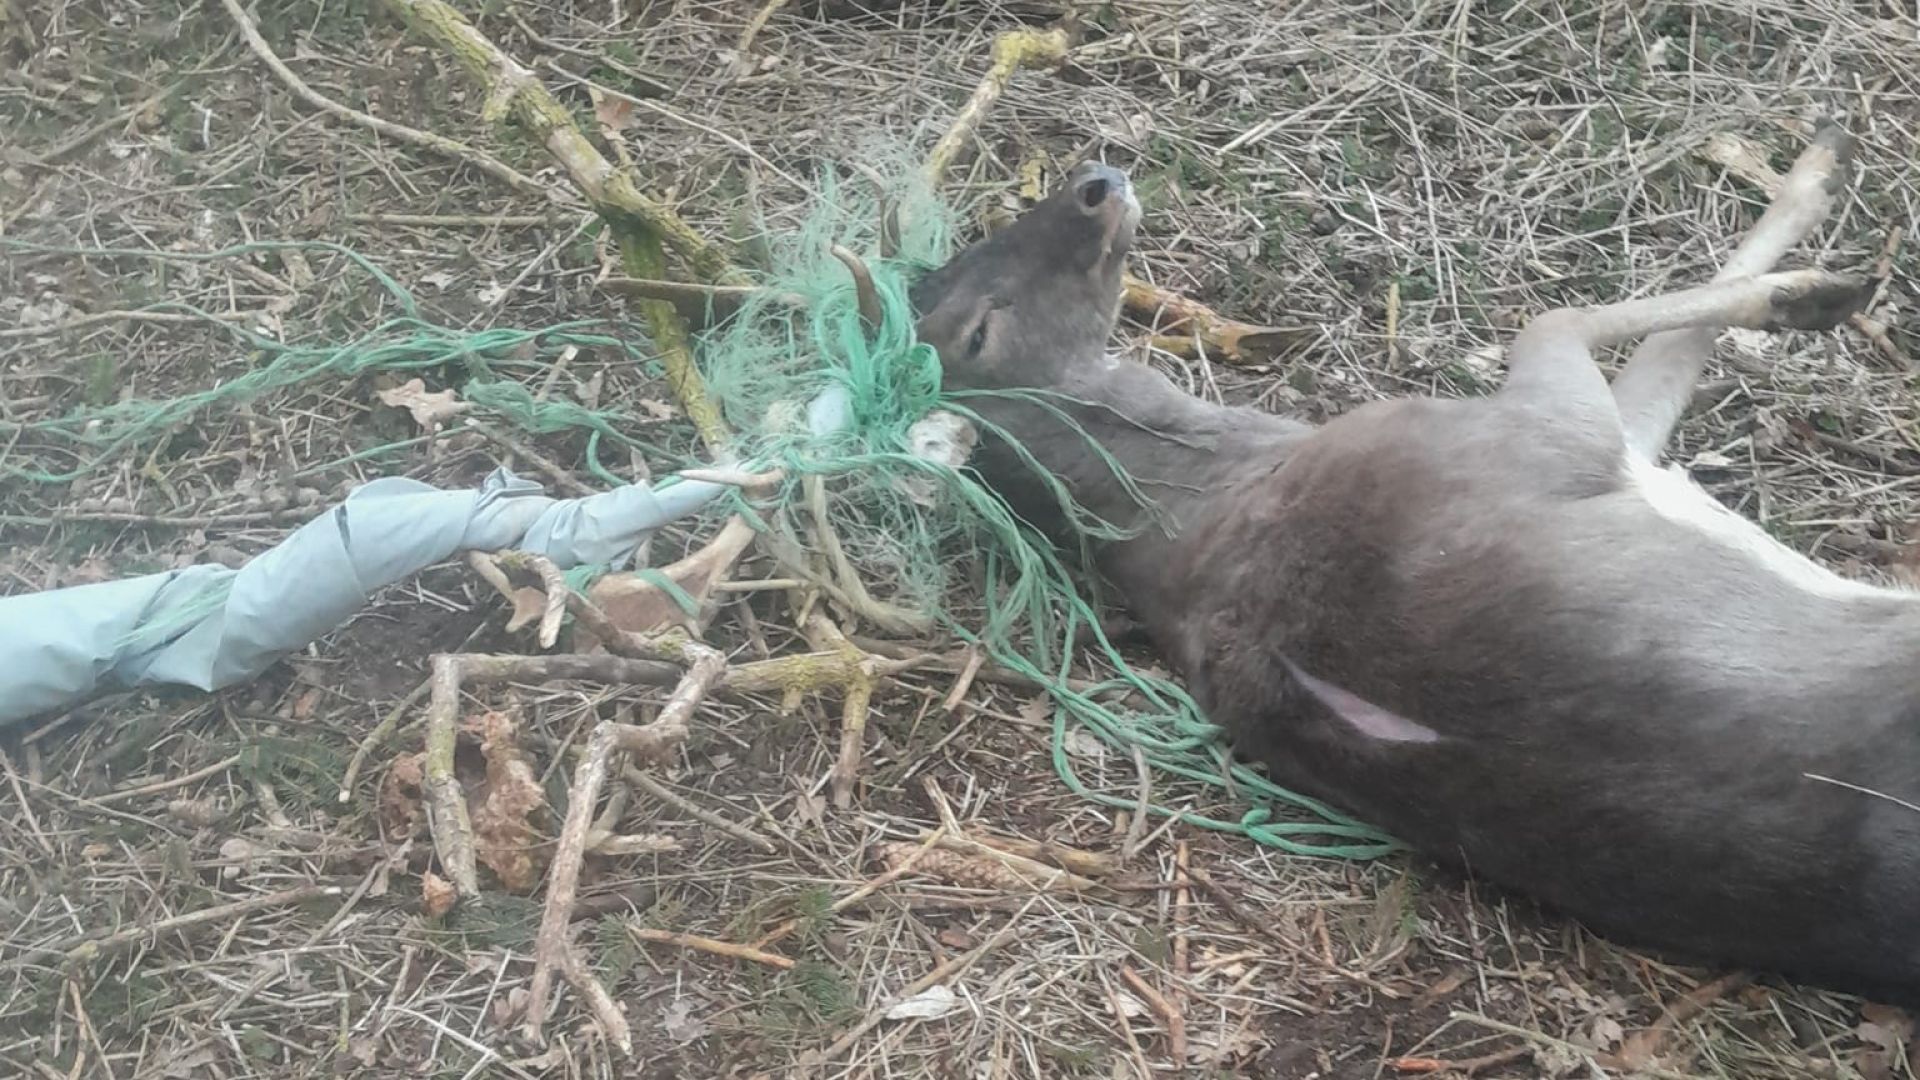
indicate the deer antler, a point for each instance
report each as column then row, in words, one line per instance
column 863, row 288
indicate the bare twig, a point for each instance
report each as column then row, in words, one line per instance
column 439, row 144
column 710, row 945
column 1170, row 1015
column 447, row 816
column 563, row 876
column 88, row 949
column 665, row 794
column 606, row 1011
column 1012, row 51
column 743, row 47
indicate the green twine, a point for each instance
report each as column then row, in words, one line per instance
column 403, row 343
column 767, row 359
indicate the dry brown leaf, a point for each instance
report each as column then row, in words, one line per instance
column 400, row 796
column 429, row 410
column 614, row 113
column 509, row 1007
column 504, row 838
column 529, row 604
column 638, row 606
column 436, row 895
column 1742, row 158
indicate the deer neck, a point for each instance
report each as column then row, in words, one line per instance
column 1179, row 451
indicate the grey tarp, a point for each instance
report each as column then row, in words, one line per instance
column 212, row 626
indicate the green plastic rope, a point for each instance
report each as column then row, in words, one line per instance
column 767, row 358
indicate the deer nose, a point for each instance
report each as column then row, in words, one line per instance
column 1097, row 186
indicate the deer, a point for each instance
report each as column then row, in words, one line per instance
column 1495, row 626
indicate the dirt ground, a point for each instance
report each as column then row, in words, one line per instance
column 1398, row 184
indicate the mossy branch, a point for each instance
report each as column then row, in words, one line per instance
column 1012, row 51
column 513, row 88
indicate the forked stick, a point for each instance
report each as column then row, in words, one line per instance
column 1654, row 388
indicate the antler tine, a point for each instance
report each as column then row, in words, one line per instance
column 889, row 228
column 889, row 210
column 863, row 288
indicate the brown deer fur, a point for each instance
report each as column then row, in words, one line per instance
column 1495, row 627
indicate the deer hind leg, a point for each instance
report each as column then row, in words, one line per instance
column 1653, row 390
column 1550, row 367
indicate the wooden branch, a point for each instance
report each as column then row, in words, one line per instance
column 447, row 817
column 1187, row 328
column 439, row 144
column 606, row 1011
column 93, row 948
column 697, row 301
column 1012, row 51
column 641, row 225
column 710, row 945
column 511, row 86
column 552, row 942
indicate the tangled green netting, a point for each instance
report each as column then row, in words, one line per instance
column 767, row 361
column 765, row 365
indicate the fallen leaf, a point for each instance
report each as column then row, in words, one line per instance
column 200, row 813
column 1037, row 710
column 935, row 1001
column 240, row 851
column 678, row 1021
column 529, row 604
column 437, row 895
column 636, row 605
column 1743, row 158
column 614, row 113
column 504, row 838
column 179, row 1067
column 429, row 410
column 1211, row 1046
column 1081, row 743
column 809, row 809
column 400, row 794
column 1604, row 1033
column 508, row 1007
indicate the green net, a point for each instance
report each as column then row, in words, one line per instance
column 912, row 526
column 1026, row 609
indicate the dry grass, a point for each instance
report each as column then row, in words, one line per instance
column 1443, row 168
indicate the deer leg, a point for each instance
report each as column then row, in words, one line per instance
column 1653, row 389
column 1553, row 356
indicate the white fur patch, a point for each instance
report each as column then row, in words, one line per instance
column 1673, row 495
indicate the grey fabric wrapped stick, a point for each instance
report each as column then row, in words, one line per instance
column 212, row 626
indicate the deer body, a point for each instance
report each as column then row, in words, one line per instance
column 1497, row 628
